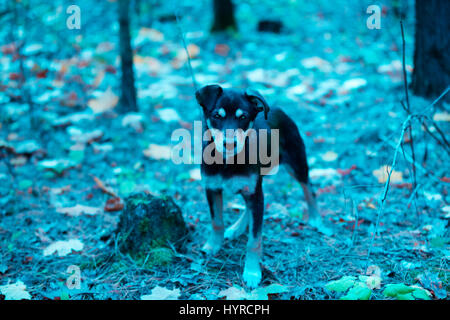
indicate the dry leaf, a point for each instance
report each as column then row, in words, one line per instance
column 16, row 291
column 78, row 210
column 443, row 116
column 105, row 102
column 63, row 248
column 160, row 293
column 382, row 175
column 329, row 156
column 158, row 152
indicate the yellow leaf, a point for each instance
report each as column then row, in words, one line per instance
column 158, row 152
column 382, row 175
column 329, row 156
column 444, row 116
column 107, row 101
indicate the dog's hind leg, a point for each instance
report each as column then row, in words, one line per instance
column 238, row 228
column 294, row 155
column 215, row 240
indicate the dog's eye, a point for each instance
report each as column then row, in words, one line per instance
column 243, row 117
column 217, row 116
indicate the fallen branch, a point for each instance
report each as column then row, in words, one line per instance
column 102, row 187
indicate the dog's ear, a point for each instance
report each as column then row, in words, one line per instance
column 257, row 99
column 208, row 95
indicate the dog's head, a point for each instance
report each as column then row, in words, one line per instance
column 230, row 114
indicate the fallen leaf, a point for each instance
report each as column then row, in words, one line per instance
column 195, row 174
column 57, row 165
column 329, row 156
column 16, row 291
column 134, row 120
column 382, row 175
column 359, row 292
column 114, row 204
column 107, row 101
column 264, row 292
column 233, row 293
column 168, row 114
column 160, row 293
column 316, row 62
column 63, row 248
column 341, row 285
column 441, row 116
column 158, row 152
column 81, row 137
column 78, row 210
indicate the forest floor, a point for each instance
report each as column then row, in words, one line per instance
column 340, row 82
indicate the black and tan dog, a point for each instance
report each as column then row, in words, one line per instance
column 247, row 111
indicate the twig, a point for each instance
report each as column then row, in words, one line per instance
column 191, row 71
column 408, row 107
column 442, row 143
column 418, row 165
column 383, row 196
column 405, row 80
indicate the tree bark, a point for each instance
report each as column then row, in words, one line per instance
column 223, row 16
column 128, row 95
column 431, row 74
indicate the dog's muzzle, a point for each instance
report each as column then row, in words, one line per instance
column 231, row 142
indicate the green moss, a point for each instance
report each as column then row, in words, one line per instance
column 144, row 225
column 154, row 255
column 160, row 256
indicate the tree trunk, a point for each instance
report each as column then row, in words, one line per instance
column 223, row 16
column 431, row 74
column 128, row 95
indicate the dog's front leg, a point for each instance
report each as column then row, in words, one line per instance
column 215, row 239
column 255, row 203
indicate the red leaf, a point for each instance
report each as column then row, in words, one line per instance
column 114, row 204
column 345, row 172
column 14, row 76
column 42, row 74
column 9, row 49
column 110, row 69
column 222, row 49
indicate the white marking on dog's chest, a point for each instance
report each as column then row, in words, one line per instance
column 234, row 184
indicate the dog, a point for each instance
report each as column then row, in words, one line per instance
column 243, row 111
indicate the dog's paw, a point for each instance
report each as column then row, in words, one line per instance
column 252, row 277
column 212, row 246
column 320, row 226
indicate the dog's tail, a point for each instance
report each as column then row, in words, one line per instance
column 292, row 147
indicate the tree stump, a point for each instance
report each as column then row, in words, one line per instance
column 146, row 227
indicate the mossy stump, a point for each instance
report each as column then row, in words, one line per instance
column 146, row 227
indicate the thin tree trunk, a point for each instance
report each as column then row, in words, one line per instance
column 128, row 95
column 431, row 74
column 223, row 16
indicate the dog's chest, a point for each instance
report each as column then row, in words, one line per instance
column 234, row 183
